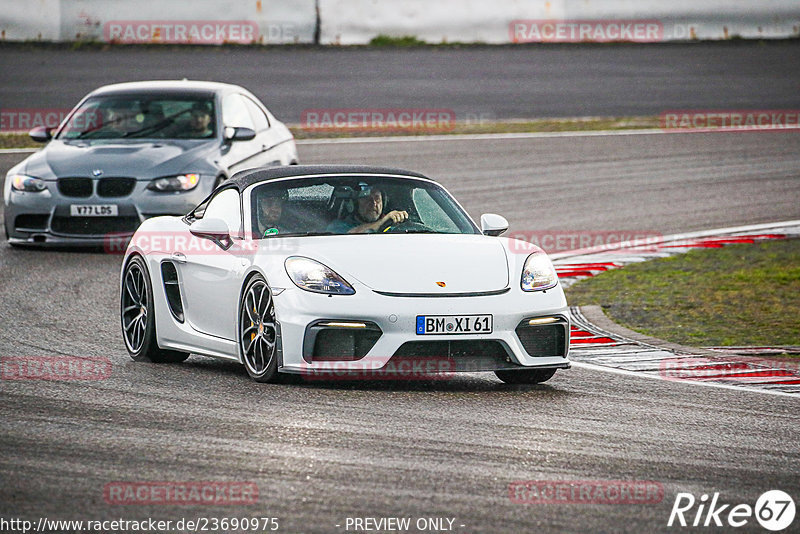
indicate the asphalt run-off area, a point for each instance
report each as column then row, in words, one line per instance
column 469, row 453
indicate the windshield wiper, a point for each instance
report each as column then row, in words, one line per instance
column 83, row 134
column 163, row 123
column 416, row 231
column 302, row 234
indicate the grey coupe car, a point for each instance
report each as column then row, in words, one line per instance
column 136, row 150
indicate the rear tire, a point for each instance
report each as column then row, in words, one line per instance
column 526, row 376
column 138, row 317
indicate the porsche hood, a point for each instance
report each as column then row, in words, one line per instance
column 414, row 264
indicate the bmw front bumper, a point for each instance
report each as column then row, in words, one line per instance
column 44, row 218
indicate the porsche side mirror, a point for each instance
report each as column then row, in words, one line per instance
column 41, row 134
column 493, row 224
column 238, row 134
column 214, row 229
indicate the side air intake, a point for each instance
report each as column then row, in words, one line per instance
column 172, row 289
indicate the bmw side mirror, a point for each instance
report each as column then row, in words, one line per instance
column 238, row 133
column 493, row 224
column 214, row 229
column 41, row 134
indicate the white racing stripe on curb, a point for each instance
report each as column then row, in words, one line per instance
column 479, row 137
column 18, row 150
column 614, row 370
column 717, row 232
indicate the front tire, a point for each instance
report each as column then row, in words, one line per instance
column 138, row 317
column 258, row 339
column 526, row 376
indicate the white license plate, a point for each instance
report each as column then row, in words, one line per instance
column 93, row 210
column 454, row 324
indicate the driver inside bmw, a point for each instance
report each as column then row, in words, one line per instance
column 368, row 216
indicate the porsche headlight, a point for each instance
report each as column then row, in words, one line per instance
column 538, row 273
column 22, row 182
column 313, row 276
column 168, row 184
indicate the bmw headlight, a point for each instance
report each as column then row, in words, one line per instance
column 538, row 273
column 169, row 184
column 22, row 182
column 313, row 276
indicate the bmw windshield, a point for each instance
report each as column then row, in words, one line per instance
column 145, row 116
column 355, row 205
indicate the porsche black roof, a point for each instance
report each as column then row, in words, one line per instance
column 156, row 87
column 244, row 179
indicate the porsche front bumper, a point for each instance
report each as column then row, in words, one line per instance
column 388, row 324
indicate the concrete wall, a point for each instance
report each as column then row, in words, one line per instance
column 358, row 21
column 274, row 21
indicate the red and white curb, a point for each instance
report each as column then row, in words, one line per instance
column 591, row 346
column 583, row 263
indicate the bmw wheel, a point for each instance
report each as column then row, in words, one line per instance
column 526, row 376
column 258, row 339
column 137, row 313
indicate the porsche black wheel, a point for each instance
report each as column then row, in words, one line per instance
column 137, row 313
column 258, row 341
column 526, row 376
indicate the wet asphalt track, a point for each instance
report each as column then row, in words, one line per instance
column 320, row 453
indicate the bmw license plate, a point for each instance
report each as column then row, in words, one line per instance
column 454, row 324
column 93, row 210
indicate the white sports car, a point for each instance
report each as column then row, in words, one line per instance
column 331, row 271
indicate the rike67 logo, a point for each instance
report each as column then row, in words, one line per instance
column 774, row 510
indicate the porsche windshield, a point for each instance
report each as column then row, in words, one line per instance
column 355, row 205
column 146, row 116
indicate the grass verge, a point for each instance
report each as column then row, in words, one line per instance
column 17, row 140
column 496, row 126
column 21, row 139
column 738, row 295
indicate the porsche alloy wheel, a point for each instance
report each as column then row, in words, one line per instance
column 137, row 314
column 258, row 339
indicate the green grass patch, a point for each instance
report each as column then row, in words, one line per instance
column 387, row 40
column 495, row 126
column 738, row 295
column 18, row 140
